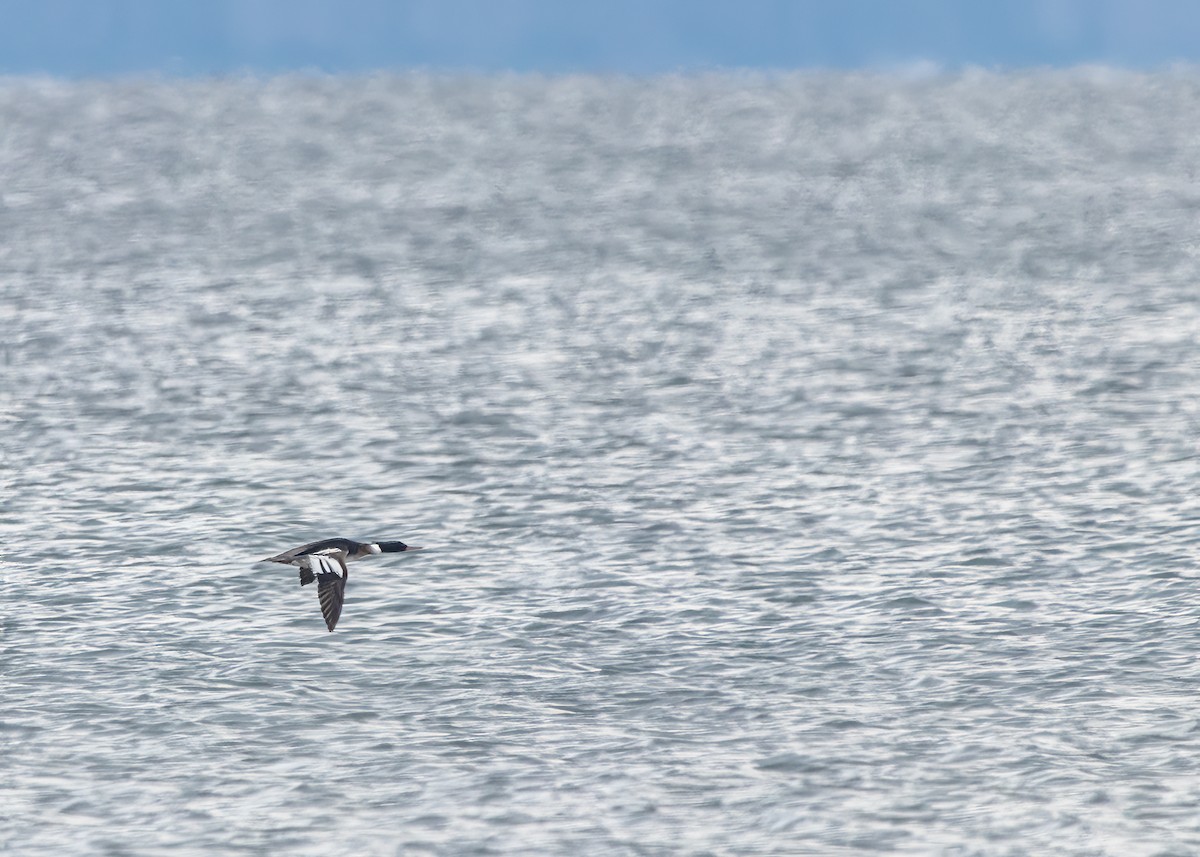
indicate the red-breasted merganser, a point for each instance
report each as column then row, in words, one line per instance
column 320, row 561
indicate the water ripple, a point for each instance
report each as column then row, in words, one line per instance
column 807, row 465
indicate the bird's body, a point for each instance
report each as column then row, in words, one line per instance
column 320, row 561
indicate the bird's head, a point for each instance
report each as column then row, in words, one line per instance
column 393, row 547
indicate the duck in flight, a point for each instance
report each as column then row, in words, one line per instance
column 321, row 560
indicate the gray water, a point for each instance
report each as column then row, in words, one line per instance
column 807, row 464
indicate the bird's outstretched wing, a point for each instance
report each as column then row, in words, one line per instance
column 331, row 590
column 314, row 557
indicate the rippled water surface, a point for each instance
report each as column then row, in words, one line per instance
column 808, row 465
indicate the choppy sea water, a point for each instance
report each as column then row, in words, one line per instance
column 807, row 464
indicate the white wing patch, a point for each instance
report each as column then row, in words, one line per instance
column 312, row 564
column 318, row 562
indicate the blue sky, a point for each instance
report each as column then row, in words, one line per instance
column 75, row 38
